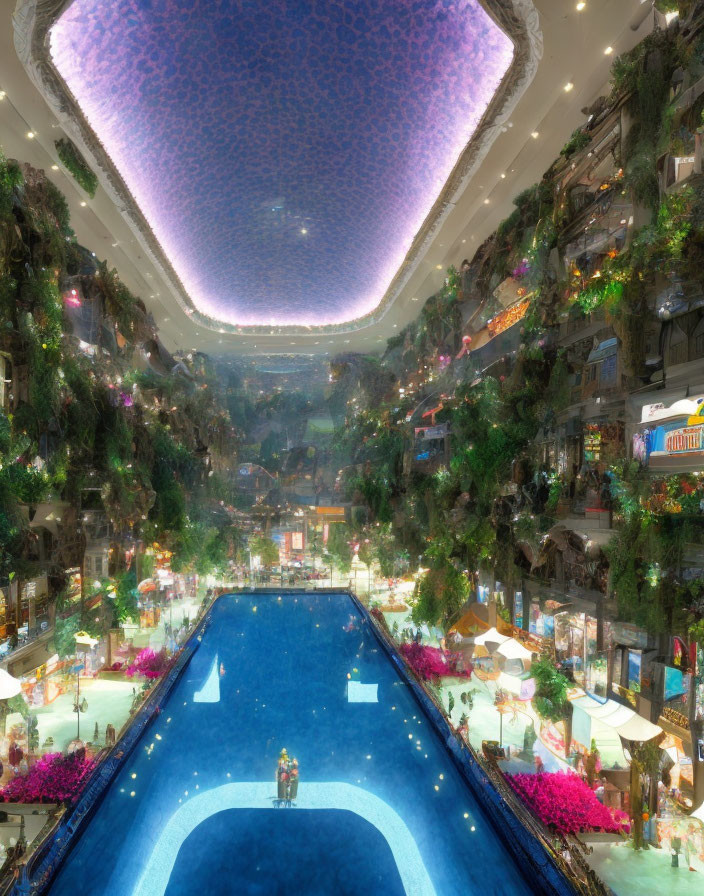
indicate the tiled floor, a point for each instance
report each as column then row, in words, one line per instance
column 649, row 871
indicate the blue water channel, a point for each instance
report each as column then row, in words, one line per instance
column 380, row 807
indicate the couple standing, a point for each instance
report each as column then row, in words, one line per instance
column 287, row 778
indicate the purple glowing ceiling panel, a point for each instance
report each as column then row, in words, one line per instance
column 284, row 152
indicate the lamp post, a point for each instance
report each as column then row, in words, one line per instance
column 84, row 640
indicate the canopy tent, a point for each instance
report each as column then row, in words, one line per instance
column 622, row 719
column 474, row 620
column 514, row 650
column 523, row 688
column 492, row 636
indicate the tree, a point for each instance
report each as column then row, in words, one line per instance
column 263, row 547
column 645, row 765
column 339, row 552
column 550, row 700
column 440, row 594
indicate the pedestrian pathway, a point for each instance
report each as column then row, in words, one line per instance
column 628, row 872
column 108, row 703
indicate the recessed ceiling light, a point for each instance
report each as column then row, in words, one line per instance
column 30, row 135
column 2, row 94
column 438, row 266
column 304, row 232
column 569, row 86
column 54, row 167
column 464, row 241
column 83, row 204
column 414, row 299
column 608, row 51
column 581, row 5
column 535, row 135
column 503, row 177
column 486, row 202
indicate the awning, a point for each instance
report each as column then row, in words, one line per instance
column 623, row 719
column 603, row 350
column 48, row 515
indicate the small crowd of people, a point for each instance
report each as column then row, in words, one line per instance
column 287, row 778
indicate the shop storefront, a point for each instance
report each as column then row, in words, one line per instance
column 44, row 684
column 603, row 441
column 577, row 649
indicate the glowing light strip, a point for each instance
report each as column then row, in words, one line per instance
column 260, row 795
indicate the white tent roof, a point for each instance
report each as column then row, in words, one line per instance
column 9, row 686
column 698, row 813
column 514, row 650
column 625, row 720
column 492, row 636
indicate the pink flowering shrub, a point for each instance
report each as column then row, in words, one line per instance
column 53, row 779
column 148, row 663
column 430, row 662
column 566, row 804
column 518, row 273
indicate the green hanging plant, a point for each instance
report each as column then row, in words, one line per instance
column 76, row 165
column 578, row 141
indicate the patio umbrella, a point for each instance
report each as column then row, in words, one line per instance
column 9, row 686
column 492, row 636
column 83, row 639
column 513, row 650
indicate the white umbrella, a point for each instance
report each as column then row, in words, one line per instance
column 83, row 639
column 514, row 650
column 490, row 637
column 9, row 686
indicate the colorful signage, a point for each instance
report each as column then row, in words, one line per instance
column 679, row 431
column 518, row 609
column 687, row 439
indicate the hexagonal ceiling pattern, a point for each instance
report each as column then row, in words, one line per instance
column 284, row 153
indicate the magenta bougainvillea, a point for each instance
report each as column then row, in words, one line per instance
column 148, row 663
column 53, row 779
column 430, row 662
column 566, row 804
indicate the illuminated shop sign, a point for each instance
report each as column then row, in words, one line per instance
column 426, row 433
column 677, row 430
column 508, row 318
column 687, row 439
